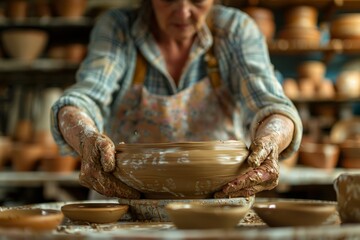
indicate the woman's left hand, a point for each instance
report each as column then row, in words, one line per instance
column 273, row 135
column 264, row 172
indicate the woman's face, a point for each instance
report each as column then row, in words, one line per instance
column 180, row 19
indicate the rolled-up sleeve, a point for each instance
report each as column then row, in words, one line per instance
column 97, row 78
column 253, row 81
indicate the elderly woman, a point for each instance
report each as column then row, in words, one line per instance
column 176, row 70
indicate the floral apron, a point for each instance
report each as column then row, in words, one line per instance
column 201, row 112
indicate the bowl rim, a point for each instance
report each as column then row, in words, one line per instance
column 94, row 207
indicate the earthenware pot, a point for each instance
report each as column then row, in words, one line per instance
column 38, row 220
column 24, row 44
column 294, row 213
column 180, row 170
column 347, row 188
column 70, row 8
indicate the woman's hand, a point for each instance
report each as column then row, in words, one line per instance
column 98, row 161
column 97, row 154
column 272, row 137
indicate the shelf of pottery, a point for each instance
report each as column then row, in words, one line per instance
column 315, row 45
column 42, row 44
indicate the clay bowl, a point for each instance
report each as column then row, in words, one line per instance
column 184, row 170
column 309, row 34
column 350, row 153
column 94, row 212
column 345, row 129
column 347, row 188
column 24, row 44
column 346, row 26
column 70, row 8
column 305, row 16
column 205, row 216
column 348, row 84
column 314, row 70
column 31, row 219
column 154, row 210
column 319, row 155
column 294, row 213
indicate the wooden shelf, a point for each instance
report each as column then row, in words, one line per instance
column 279, row 4
column 53, row 22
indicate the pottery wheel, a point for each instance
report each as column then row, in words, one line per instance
column 154, row 209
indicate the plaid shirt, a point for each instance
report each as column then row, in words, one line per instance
column 244, row 65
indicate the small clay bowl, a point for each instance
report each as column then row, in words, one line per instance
column 94, row 212
column 294, row 213
column 205, row 216
column 31, row 219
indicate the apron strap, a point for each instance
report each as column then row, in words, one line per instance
column 140, row 69
column 210, row 58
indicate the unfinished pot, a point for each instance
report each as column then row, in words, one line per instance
column 180, row 170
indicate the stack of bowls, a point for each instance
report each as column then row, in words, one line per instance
column 312, row 81
column 301, row 25
column 264, row 18
column 346, row 26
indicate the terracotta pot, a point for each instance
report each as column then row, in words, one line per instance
column 5, row 150
column 314, row 70
column 26, row 156
column 311, row 35
column 264, row 19
column 70, row 8
column 346, row 26
column 42, row 8
column 348, row 84
column 301, row 16
column 75, row 52
column 23, row 131
column 319, row 155
column 291, row 88
column 24, row 44
column 17, row 9
column 59, row 164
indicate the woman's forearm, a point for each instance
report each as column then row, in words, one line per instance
column 279, row 126
column 74, row 125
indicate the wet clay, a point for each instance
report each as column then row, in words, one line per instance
column 347, row 187
column 180, row 170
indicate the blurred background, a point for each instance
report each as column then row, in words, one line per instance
column 314, row 46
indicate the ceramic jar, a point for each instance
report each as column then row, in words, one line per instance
column 347, row 188
column 180, row 170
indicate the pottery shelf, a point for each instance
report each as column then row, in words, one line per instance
column 329, row 50
column 279, row 4
column 53, row 22
column 43, row 71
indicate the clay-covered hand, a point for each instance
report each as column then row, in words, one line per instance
column 98, row 161
column 264, row 172
column 97, row 153
column 273, row 136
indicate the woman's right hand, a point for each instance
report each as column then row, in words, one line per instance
column 97, row 153
column 97, row 164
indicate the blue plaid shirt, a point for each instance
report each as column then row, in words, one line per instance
column 244, row 65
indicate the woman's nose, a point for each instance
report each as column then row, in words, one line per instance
column 184, row 9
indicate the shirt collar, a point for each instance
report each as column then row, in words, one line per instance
column 145, row 42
